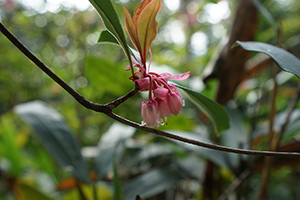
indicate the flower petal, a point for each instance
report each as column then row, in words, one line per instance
column 164, row 110
column 179, row 77
column 150, row 113
column 161, row 92
column 144, row 83
column 175, row 103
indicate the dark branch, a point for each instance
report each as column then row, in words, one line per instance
column 120, row 100
column 201, row 144
column 107, row 109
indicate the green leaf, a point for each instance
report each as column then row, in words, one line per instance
column 136, row 55
column 102, row 71
column 215, row 112
column 118, row 193
column 111, row 22
column 106, row 36
column 9, row 148
column 146, row 24
column 148, row 152
column 111, row 147
column 153, row 182
column 236, row 136
column 267, row 15
column 218, row 157
column 32, row 193
column 101, row 191
column 285, row 60
column 55, row 136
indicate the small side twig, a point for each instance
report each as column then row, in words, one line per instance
column 268, row 161
column 235, row 184
column 289, row 112
column 122, row 99
column 107, row 108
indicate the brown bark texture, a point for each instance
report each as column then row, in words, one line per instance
column 229, row 67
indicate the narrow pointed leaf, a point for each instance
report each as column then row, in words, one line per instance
column 136, row 55
column 55, row 136
column 106, row 36
column 131, row 29
column 147, row 25
column 139, row 9
column 284, row 59
column 118, row 192
column 153, row 182
column 215, row 112
column 111, row 21
column 111, row 147
column 267, row 15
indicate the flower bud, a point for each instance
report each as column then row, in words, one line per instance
column 143, row 83
column 175, row 102
column 161, row 92
column 164, row 109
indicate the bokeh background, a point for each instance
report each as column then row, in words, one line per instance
column 191, row 36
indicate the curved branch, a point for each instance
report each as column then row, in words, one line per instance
column 107, row 108
column 199, row 143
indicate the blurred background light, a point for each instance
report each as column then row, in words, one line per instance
column 54, row 6
column 216, row 12
column 198, row 43
column 172, row 5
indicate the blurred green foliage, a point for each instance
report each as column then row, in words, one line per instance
column 66, row 41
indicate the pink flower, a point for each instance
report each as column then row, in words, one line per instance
column 161, row 92
column 164, row 109
column 150, row 113
column 164, row 99
column 175, row 101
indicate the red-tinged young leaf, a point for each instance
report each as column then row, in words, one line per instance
column 131, row 29
column 139, row 9
column 147, row 26
column 142, row 28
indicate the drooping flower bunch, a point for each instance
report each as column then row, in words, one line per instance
column 164, row 98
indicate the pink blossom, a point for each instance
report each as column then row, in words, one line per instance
column 175, row 102
column 161, row 92
column 164, row 98
column 150, row 113
column 164, row 109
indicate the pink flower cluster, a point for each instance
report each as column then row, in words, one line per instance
column 164, row 98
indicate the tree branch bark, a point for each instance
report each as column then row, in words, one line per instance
column 107, row 108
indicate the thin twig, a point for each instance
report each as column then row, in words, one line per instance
column 289, row 112
column 273, row 142
column 268, row 161
column 80, row 191
column 107, row 109
column 235, row 184
column 51, row 74
column 120, row 100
